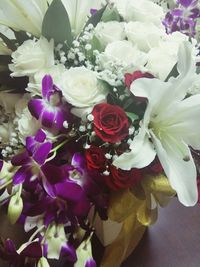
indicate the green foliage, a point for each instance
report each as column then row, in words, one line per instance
column 96, row 18
column 174, row 73
column 111, row 14
column 56, row 24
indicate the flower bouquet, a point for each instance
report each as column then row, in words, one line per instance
column 100, row 107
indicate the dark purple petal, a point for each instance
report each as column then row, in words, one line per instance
column 1, row 164
column 69, row 253
column 21, row 175
column 82, row 207
column 49, row 188
column 10, row 246
column 40, row 136
column 90, row 263
column 42, row 152
column 33, row 250
column 48, row 117
column 60, row 117
column 68, row 191
column 20, row 159
column 53, row 174
column 47, row 86
column 36, row 107
column 31, row 144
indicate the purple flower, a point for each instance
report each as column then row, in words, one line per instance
column 184, row 18
column 31, row 250
column 32, row 159
column 50, row 110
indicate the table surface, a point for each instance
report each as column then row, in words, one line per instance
column 174, row 241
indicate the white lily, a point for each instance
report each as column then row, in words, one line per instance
column 23, row 15
column 79, row 11
column 170, row 126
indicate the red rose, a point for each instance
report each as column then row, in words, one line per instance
column 110, row 122
column 120, row 179
column 129, row 78
column 95, row 157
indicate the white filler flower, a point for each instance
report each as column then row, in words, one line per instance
column 170, row 126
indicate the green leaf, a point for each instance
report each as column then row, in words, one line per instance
column 10, row 43
column 21, row 37
column 56, row 24
column 111, row 14
column 96, row 18
column 174, row 73
column 132, row 116
column 198, row 69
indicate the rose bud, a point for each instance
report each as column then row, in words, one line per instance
column 120, row 179
column 129, row 78
column 15, row 208
column 95, row 157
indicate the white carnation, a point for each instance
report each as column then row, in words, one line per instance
column 122, row 53
column 31, row 57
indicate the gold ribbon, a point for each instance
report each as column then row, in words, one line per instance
column 137, row 209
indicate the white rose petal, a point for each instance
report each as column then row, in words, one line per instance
column 162, row 59
column 144, row 34
column 31, row 57
column 140, row 10
column 81, row 88
column 108, row 32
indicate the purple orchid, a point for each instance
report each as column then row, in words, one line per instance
column 31, row 160
column 184, row 18
column 51, row 110
column 28, row 256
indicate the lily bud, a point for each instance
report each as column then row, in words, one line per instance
column 43, row 262
column 15, row 208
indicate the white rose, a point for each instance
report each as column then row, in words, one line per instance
column 31, row 57
column 122, row 53
column 81, row 88
column 108, row 32
column 144, row 34
column 35, row 82
column 27, row 124
column 162, row 59
column 140, row 10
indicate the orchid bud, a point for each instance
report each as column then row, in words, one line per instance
column 84, row 255
column 15, row 208
column 43, row 262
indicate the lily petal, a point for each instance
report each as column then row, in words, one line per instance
column 141, row 155
column 181, row 174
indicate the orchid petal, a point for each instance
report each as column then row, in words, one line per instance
column 47, row 86
column 21, row 175
column 69, row 191
column 42, row 153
